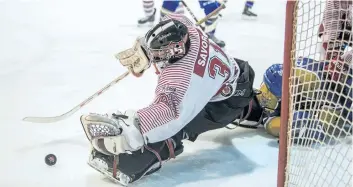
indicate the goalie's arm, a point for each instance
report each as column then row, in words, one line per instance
column 163, row 118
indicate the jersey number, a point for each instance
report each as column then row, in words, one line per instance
column 218, row 67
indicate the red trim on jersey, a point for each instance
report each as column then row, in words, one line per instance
column 155, row 67
column 202, row 58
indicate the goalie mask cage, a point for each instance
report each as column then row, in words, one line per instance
column 316, row 124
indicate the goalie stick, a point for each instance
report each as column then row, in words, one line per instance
column 105, row 88
column 76, row 108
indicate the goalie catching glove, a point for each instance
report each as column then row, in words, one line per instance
column 135, row 59
column 161, row 48
column 113, row 134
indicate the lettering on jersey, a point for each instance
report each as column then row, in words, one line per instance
column 202, row 58
column 168, row 89
column 218, row 67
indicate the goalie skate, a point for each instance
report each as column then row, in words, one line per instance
column 100, row 163
column 125, row 172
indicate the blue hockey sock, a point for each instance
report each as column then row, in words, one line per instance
column 249, row 4
column 209, row 6
column 169, row 7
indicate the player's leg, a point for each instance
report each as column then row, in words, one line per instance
column 130, row 167
column 247, row 9
column 208, row 6
column 120, row 152
column 217, row 115
column 126, row 168
column 150, row 12
column 171, row 7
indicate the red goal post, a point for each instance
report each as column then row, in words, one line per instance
column 321, row 155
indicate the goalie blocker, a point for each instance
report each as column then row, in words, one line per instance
column 129, row 145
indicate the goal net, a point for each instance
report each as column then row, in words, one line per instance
column 316, row 111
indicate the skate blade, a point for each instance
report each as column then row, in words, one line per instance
column 109, row 175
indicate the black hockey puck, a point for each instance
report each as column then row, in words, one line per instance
column 50, row 159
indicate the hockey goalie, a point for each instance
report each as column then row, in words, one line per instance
column 200, row 88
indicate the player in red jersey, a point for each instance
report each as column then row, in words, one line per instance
column 336, row 34
column 200, row 88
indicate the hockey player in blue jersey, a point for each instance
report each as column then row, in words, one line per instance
column 169, row 7
column 270, row 99
column 320, row 106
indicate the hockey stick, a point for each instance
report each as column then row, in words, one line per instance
column 76, row 108
column 192, row 14
column 98, row 93
column 199, row 22
column 211, row 14
column 224, row 2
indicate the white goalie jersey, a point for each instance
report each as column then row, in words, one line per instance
column 205, row 74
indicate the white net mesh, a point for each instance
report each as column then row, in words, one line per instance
column 320, row 108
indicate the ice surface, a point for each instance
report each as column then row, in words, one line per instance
column 55, row 53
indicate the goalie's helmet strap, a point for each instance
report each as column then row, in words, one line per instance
column 167, row 41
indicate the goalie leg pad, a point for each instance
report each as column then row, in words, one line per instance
column 272, row 125
column 97, row 128
column 96, row 125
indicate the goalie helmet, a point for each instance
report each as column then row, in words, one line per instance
column 167, row 41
